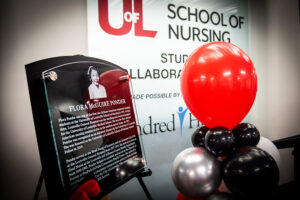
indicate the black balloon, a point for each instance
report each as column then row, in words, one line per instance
column 246, row 135
column 219, row 141
column 198, row 136
column 251, row 172
column 221, row 196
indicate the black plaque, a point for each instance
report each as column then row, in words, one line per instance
column 85, row 124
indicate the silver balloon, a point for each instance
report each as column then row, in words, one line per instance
column 196, row 173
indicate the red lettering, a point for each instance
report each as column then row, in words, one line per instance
column 139, row 31
column 127, row 25
column 104, row 21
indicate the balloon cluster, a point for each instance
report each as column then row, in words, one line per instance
column 219, row 86
column 248, row 169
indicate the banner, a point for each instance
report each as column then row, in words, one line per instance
column 152, row 40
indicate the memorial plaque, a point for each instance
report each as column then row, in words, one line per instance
column 91, row 121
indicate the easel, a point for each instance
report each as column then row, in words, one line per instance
column 139, row 176
column 39, row 186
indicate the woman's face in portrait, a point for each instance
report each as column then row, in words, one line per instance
column 95, row 77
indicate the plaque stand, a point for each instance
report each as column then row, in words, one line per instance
column 39, row 186
column 139, row 176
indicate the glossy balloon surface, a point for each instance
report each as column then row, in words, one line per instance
column 220, row 141
column 246, row 135
column 198, row 137
column 219, row 84
column 196, row 173
column 221, row 196
column 268, row 146
column 251, row 172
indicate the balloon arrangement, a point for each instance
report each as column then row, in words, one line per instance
column 219, row 85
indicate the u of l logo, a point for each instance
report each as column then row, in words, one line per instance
column 129, row 17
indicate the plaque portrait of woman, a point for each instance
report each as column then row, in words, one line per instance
column 96, row 90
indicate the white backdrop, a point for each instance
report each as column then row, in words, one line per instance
column 152, row 40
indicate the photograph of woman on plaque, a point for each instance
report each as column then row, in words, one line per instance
column 96, row 90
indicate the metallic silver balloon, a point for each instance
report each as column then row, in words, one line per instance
column 196, row 173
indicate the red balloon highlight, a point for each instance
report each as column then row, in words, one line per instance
column 219, row 84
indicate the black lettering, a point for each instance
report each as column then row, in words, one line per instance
column 172, row 123
column 171, row 57
column 216, row 36
column 138, row 72
column 201, row 16
column 222, row 19
column 131, row 74
column 150, row 127
column 192, row 14
column 171, row 30
column 182, row 35
column 148, row 74
column 163, row 125
column 233, row 21
column 193, row 120
column 178, row 12
column 178, row 60
column 170, row 6
column 139, row 129
column 184, row 57
column 172, row 73
column 226, row 38
column 163, row 58
column 241, row 21
column 179, row 73
column 156, row 74
column 217, row 16
column 196, row 33
column 155, row 124
column 204, row 33
column 166, row 73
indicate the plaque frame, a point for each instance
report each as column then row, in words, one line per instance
column 50, row 169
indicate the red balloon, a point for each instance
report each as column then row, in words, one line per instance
column 219, row 84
